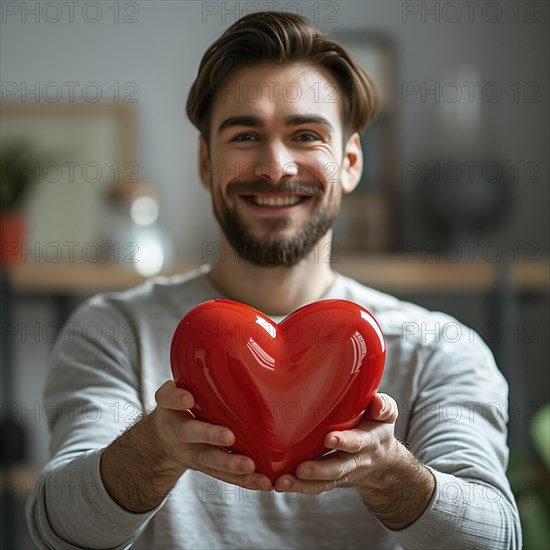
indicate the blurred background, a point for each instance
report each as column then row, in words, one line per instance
column 99, row 186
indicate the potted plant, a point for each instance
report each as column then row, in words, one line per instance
column 19, row 168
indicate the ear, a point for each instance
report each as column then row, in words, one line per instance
column 203, row 162
column 352, row 164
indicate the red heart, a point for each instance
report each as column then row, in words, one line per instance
column 279, row 387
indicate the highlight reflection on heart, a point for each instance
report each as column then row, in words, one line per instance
column 279, row 387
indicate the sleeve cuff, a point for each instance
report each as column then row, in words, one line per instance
column 87, row 511
column 111, row 512
column 442, row 517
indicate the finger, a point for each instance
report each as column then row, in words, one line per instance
column 354, row 441
column 334, row 467
column 169, row 396
column 253, row 482
column 196, row 431
column 218, row 459
column 383, row 408
column 288, row 483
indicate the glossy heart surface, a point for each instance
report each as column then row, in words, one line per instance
column 279, row 387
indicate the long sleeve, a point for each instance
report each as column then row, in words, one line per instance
column 95, row 386
column 457, row 427
column 453, row 413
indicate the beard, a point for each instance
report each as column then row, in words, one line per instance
column 276, row 250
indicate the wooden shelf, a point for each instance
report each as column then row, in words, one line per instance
column 24, row 476
column 384, row 272
column 72, row 278
column 391, row 273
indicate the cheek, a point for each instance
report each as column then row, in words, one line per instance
column 322, row 167
column 219, row 196
column 215, row 190
column 333, row 198
column 331, row 174
column 235, row 170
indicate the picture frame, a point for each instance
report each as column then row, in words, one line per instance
column 79, row 154
column 369, row 220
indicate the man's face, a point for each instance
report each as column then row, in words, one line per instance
column 277, row 165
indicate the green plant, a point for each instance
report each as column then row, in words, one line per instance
column 17, row 173
column 529, row 474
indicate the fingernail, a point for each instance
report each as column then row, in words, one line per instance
column 333, row 441
column 183, row 401
column 306, row 472
column 384, row 406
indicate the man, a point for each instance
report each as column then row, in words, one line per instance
column 278, row 105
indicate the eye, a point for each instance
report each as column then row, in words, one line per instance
column 307, row 137
column 244, row 137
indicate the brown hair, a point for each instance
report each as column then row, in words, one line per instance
column 280, row 37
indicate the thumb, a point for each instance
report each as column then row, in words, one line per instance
column 383, row 408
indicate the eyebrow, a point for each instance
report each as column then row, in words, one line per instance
column 294, row 120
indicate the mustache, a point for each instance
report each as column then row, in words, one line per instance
column 262, row 187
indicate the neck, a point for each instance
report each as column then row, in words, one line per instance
column 274, row 290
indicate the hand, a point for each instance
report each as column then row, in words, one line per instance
column 197, row 445
column 359, row 453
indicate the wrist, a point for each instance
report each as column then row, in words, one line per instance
column 137, row 469
column 382, row 468
column 399, row 489
column 161, row 454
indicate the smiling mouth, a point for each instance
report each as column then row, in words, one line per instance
column 276, row 201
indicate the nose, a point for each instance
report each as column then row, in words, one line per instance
column 276, row 163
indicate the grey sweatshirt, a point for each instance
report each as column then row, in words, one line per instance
column 113, row 355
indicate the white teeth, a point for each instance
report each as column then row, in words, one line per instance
column 275, row 201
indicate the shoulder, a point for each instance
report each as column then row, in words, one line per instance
column 395, row 316
column 175, row 294
column 417, row 331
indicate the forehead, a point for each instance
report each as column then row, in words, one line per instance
column 278, row 90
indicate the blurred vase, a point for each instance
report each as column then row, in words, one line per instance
column 12, row 235
column 133, row 234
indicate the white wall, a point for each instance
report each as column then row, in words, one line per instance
column 162, row 50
